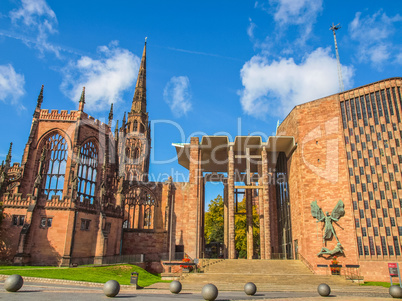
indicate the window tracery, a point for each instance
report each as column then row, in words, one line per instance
column 87, row 172
column 57, row 150
column 140, row 208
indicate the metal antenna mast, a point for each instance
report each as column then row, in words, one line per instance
column 334, row 28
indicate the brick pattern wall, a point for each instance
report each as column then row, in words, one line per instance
column 317, row 172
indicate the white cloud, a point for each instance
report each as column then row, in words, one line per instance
column 399, row 58
column 104, row 78
column 38, row 17
column 11, row 85
column 374, row 36
column 276, row 87
column 177, row 95
column 296, row 11
column 250, row 29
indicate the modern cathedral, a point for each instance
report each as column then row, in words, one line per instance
column 327, row 184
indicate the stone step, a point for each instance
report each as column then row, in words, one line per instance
column 274, row 279
column 264, row 273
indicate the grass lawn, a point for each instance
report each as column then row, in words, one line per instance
column 377, row 283
column 120, row 273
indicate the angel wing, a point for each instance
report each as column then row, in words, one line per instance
column 316, row 211
column 338, row 211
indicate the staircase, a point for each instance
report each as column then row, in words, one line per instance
column 270, row 275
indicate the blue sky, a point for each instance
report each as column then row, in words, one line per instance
column 213, row 67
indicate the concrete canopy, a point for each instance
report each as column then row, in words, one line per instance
column 214, row 151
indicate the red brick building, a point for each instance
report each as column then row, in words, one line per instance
column 81, row 193
column 348, row 148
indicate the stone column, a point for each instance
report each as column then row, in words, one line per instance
column 192, row 235
column 100, row 241
column 225, row 220
column 265, row 193
column 261, row 212
column 231, row 209
column 249, row 212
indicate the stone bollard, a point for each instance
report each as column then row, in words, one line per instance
column 395, row 291
column 209, row 292
column 250, row 288
column 175, row 287
column 111, row 288
column 13, row 283
column 324, row 290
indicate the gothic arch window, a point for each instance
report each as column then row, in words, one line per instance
column 140, row 208
column 141, row 128
column 127, row 155
column 135, row 126
column 57, row 149
column 148, row 218
column 136, row 154
column 87, row 172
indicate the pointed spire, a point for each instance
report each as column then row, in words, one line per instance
column 116, row 130
column 110, row 115
column 38, row 104
column 40, row 98
column 140, row 95
column 123, row 124
column 8, row 157
column 82, row 100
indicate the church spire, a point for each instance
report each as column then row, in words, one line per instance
column 140, row 96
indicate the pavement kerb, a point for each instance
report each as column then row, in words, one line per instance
column 65, row 282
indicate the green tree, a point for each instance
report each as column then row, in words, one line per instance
column 241, row 230
column 213, row 230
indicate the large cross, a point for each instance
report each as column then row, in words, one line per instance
column 247, row 156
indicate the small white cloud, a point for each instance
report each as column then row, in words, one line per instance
column 250, row 29
column 104, row 78
column 399, row 58
column 276, row 87
column 300, row 13
column 296, row 11
column 373, row 35
column 177, row 95
column 38, row 17
column 11, row 85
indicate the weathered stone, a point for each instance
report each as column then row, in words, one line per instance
column 111, row 288
column 13, row 283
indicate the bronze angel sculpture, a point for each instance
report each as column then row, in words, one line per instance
column 329, row 230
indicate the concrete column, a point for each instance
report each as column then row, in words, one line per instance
column 261, row 212
column 265, row 192
column 192, row 236
column 225, row 221
column 249, row 212
column 231, row 182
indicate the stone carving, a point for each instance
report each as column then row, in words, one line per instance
column 329, row 230
column 326, row 251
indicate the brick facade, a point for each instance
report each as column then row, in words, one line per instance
column 81, row 192
column 325, row 165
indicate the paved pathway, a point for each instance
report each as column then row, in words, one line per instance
column 277, row 280
column 53, row 291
